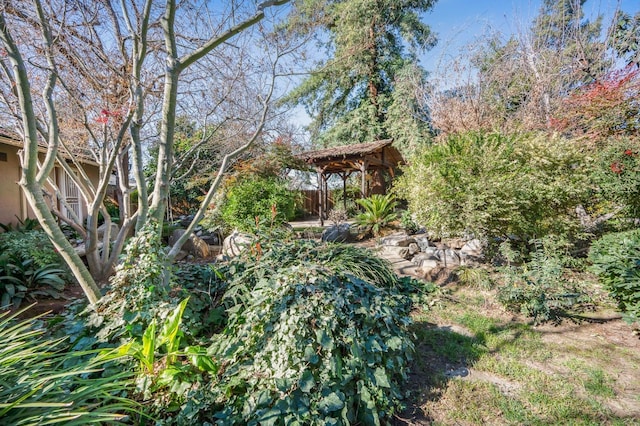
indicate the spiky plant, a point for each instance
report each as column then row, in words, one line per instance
column 379, row 210
column 42, row 383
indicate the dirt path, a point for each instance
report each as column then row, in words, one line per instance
column 592, row 367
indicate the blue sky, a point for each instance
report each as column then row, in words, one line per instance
column 459, row 22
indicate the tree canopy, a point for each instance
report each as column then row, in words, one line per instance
column 363, row 89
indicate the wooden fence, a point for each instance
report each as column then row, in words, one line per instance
column 311, row 199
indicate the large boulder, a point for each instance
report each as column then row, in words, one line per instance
column 112, row 235
column 337, row 233
column 423, row 241
column 425, row 260
column 399, row 239
column 449, row 258
column 236, row 243
column 397, row 252
column 473, row 248
column 81, row 249
column 194, row 245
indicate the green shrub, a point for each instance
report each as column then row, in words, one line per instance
column 309, row 343
column 22, row 278
column 539, row 288
column 29, row 265
column 617, row 175
column 379, row 210
column 157, row 316
column 145, row 289
column 31, row 244
column 616, row 261
column 266, row 198
column 42, row 383
column 335, row 258
column 497, row 185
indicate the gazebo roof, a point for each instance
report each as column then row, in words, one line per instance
column 378, row 154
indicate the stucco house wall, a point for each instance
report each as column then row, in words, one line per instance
column 10, row 193
column 13, row 204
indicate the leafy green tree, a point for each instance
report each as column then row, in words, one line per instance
column 371, row 51
column 626, row 37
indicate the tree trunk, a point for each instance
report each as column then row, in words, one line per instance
column 33, row 193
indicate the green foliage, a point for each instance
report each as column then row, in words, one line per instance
column 540, row 288
column 616, row 261
column 112, row 209
column 27, row 243
column 379, row 210
column 626, row 37
column 266, row 198
column 475, row 277
column 22, row 278
column 336, row 258
column 617, row 175
column 37, row 385
column 371, row 54
column 29, row 265
column 496, row 185
column 145, row 289
column 167, row 369
column 309, row 343
column 205, row 286
column 143, row 316
column 139, row 293
column 23, row 225
column 407, row 223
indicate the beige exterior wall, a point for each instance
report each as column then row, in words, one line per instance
column 10, row 193
column 13, row 204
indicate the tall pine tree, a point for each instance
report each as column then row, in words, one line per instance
column 371, row 57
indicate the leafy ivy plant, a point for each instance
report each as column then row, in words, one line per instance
column 308, row 344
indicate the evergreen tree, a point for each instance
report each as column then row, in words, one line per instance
column 371, row 48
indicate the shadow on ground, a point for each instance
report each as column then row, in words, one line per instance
column 443, row 353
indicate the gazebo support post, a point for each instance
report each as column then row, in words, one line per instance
column 320, row 195
column 344, row 176
column 363, row 180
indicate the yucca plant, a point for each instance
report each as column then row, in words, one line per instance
column 41, row 383
column 379, row 210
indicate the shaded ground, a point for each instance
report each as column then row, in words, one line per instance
column 477, row 364
column 51, row 306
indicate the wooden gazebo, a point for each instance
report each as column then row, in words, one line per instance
column 366, row 158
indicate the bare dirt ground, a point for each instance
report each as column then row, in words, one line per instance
column 604, row 343
column 611, row 346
